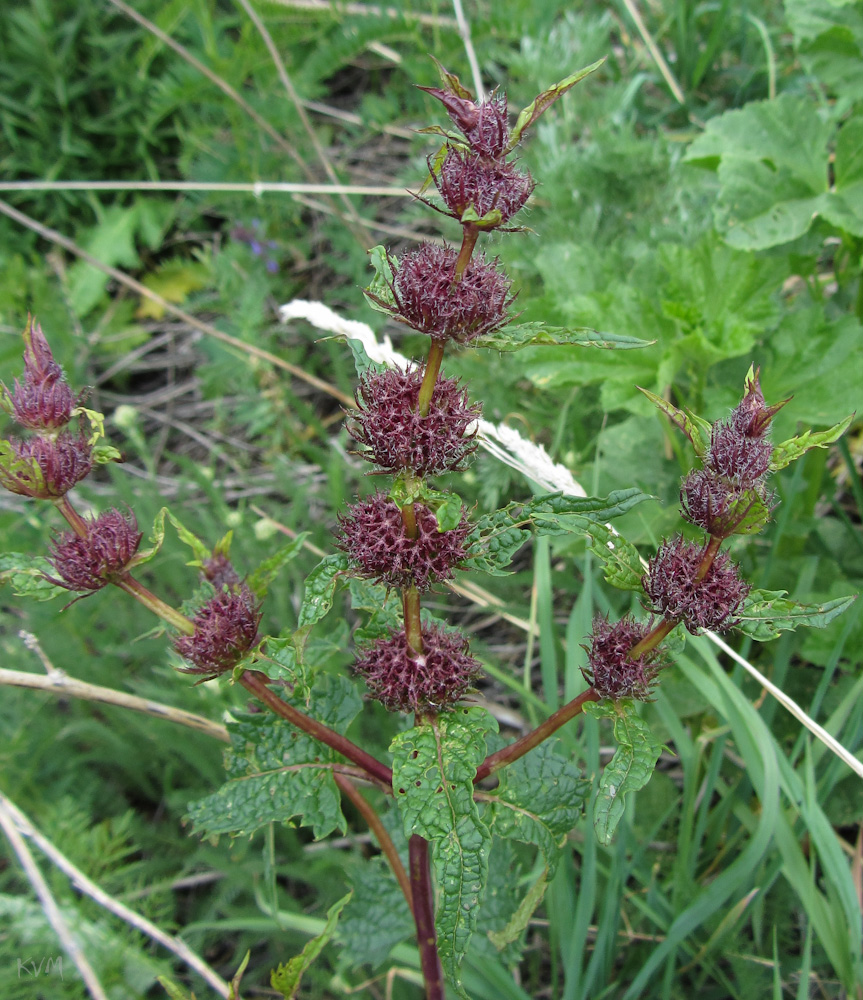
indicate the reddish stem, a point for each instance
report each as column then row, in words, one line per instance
column 494, row 762
column 433, row 362
column 469, row 235
column 76, row 522
column 707, row 557
column 653, row 638
column 341, row 744
column 421, row 888
column 125, row 581
column 373, row 821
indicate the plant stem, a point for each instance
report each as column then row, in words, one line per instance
column 424, row 918
column 653, row 638
column 430, row 375
column 373, row 821
column 125, row 581
column 494, row 762
column 707, row 557
column 469, row 235
column 379, row 772
column 76, row 522
column 413, row 622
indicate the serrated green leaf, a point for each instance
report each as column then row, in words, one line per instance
column 433, row 770
column 286, row 978
column 789, row 451
column 519, row 920
column 766, row 613
column 379, row 292
column 13, row 468
column 694, row 427
column 516, row 336
column 628, row 770
column 538, row 801
column 283, row 660
column 277, row 772
column 544, row 101
column 496, row 537
column 259, row 580
column 377, row 918
column 622, row 566
column 26, row 574
column 753, row 512
column 320, row 589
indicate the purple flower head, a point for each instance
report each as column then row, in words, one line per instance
column 674, row 592
column 484, row 125
column 398, row 438
column 467, row 181
column 710, row 502
column 86, row 564
column 610, row 671
column 46, row 467
column 226, row 628
column 43, row 400
column 428, row 299
column 752, row 416
column 740, row 458
column 374, row 536
column 431, row 681
column 219, row 571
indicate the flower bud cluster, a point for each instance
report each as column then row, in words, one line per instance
column 612, row 672
column 398, row 439
column 87, row 563
column 374, row 534
column 428, row 297
column 730, row 490
column 404, row 681
column 48, row 464
column 226, row 628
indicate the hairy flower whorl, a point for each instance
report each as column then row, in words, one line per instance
column 397, row 437
column 610, row 671
column 373, row 534
column 42, row 400
column 405, row 682
column 710, row 603
column 428, row 299
column 61, row 462
column 87, row 564
column 226, row 628
column 466, row 181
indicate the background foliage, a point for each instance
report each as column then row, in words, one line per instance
column 720, row 217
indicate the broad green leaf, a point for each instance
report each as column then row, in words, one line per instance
column 753, row 512
column 449, row 513
column 538, row 801
column 771, row 158
column 173, row 281
column 111, row 241
column 494, row 541
column 377, row 918
column 844, row 204
column 286, row 978
column 12, row 467
column 789, row 451
column 277, row 773
column 520, row 919
column 379, row 292
column 26, row 574
column 259, row 580
column 516, row 336
column 622, row 567
column 545, row 100
column 628, row 770
column 694, row 427
column 321, row 585
column 434, row 765
column 828, row 37
column 284, row 658
column 766, row 613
